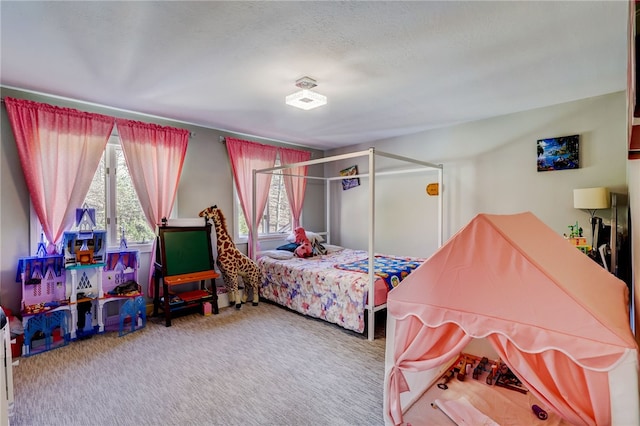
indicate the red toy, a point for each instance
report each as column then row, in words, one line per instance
column 304, row 249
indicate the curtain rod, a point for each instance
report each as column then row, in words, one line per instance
column 191, row 134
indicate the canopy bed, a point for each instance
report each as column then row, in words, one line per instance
column 332, row 300
column 333, row 287
column 558, row 320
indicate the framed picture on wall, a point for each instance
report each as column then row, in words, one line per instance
column 559, row 153
column 352, row 182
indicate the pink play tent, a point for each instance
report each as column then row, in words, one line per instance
column 556, row 318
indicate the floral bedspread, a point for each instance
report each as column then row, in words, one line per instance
column 315, row 287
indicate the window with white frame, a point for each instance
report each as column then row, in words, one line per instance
column 276, row 219
column 114, row 198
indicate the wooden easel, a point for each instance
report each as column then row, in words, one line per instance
column 184, row 255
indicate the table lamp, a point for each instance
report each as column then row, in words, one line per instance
column 591, row 200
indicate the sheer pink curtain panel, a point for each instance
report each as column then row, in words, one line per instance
column 295, row 182
column 154, row 155
column 418, row 348
column 59, row 150
column 245, row 157
column 579, row 395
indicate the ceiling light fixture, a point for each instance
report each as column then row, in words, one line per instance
column 306, row 99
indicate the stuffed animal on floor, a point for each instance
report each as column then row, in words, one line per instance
column 232, row 263
column 304, row 249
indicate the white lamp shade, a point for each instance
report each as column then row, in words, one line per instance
column 591, row 198
column 306, row 99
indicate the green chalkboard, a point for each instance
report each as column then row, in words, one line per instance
column 184, row 250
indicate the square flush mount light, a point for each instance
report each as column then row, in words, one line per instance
column 306, row 98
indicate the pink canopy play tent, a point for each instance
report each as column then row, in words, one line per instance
column 556, row 318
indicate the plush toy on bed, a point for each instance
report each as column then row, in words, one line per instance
column 304, row 249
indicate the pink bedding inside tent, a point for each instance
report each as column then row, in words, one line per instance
column 557, row 319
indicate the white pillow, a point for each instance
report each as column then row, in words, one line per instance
column 332, row 248
column 312, row 236
column 276, row 254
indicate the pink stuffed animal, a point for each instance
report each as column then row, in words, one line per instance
column 304, row 249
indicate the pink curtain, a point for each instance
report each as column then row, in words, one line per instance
column 419, row 348
column 295, row 186
column 579, row 395
column 154, row 155
column 245, row 157
column 59, row 150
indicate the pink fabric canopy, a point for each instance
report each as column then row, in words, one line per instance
column 559, row 320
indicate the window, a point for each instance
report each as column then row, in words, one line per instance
column 276, row 218
column 114, row 198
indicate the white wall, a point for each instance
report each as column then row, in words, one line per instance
column 405, row 217
column 490, row 167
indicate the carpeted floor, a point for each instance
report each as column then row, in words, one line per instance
column 261, row 365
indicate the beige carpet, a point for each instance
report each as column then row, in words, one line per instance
column 261, row 365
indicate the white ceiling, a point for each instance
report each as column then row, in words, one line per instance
column 388, row 68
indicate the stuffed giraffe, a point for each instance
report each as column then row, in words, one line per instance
column 232, row 262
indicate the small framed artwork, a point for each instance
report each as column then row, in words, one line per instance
column 559, row 153
column 352, row 182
